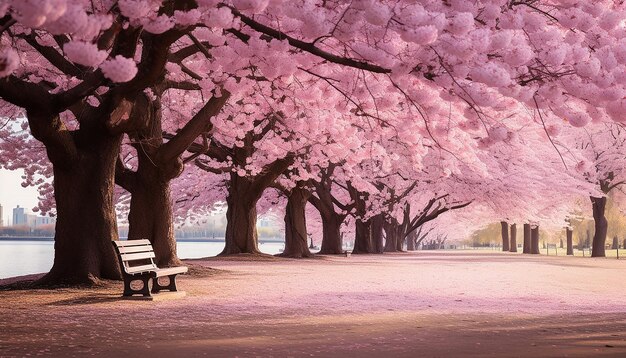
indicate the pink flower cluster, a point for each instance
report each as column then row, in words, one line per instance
column 9, row 60
column 119, row 69
column 84, row 53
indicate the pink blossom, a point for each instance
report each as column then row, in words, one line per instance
column 220, row 18
column 588, row 68
column 84, row 53
column 519, row 55
column 30, row 13
column 158, row 25
column 498, row 133
column 9, row 60
column 119, row 69
column 578, row 119
column 421, row 35
column 150, row 94
column 187, row 18
column 492, row 75
column 254, row 6
column 377, row 14
column 617, row 110
column 73, row 20
column 134, row 9
column 461, row 23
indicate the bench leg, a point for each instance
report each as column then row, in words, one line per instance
column 171, row 286
column 129, row 291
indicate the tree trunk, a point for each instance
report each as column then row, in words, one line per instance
column 410, row 241
column 391, row 236
column 560, row 243
column 399, row 240
column 332, row 241
column 526, row 239
column 570, row 241
column 601, row 226
column 513, row 245
column 615, row 244
column 86, row 222
column 505, row 235
column 624, row 244
column 295, row 224
column 331, row 237
column 150, row 215
column 377, row 233
column 363, row 237
column 241, row 234
column 534, row 240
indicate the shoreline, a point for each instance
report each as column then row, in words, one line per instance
column 30, row 238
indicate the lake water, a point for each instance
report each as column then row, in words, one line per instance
column 24, row 257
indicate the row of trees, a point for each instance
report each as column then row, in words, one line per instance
column 383, row 113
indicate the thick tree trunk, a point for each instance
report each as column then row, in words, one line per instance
column 295, row 224
column 526, row 239
column 363, row 237
column 570, row 242
column 86, row 222
column 241, row 234
column 513, row 245
column 377, row 233
column 505, row 235
column 391, row 236
column 534, row 240
column 410, row 241
column 331, row 237
column 332, row 241
column 150, row 215
column 399, row 240
column 601, row 226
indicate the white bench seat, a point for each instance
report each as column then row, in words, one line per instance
column 137, row 264
column 160, row 272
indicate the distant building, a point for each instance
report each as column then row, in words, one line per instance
column 44, row 220
column 265, row 222
column 19, row 216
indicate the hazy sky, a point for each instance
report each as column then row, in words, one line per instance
column 12, row 193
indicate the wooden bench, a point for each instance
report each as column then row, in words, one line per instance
column 136, row 263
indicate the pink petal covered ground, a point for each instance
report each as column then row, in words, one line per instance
column 427, row 303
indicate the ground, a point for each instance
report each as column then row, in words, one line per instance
column 426, row 304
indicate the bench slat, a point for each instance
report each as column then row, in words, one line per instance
column 160, row 272
column 131, row 249
column 142, row 268
column 120, row 243
column 139, row 256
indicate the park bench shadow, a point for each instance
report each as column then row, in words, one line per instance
column 90, row 299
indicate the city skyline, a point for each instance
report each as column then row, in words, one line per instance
column 13, row 194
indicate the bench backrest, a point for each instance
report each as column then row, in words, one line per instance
column 136, row 256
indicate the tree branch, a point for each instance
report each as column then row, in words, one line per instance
column 306, row 46
column 196, row 126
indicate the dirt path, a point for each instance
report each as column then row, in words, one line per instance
column 424, row 304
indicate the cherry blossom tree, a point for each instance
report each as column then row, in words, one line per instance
column 602, row 163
